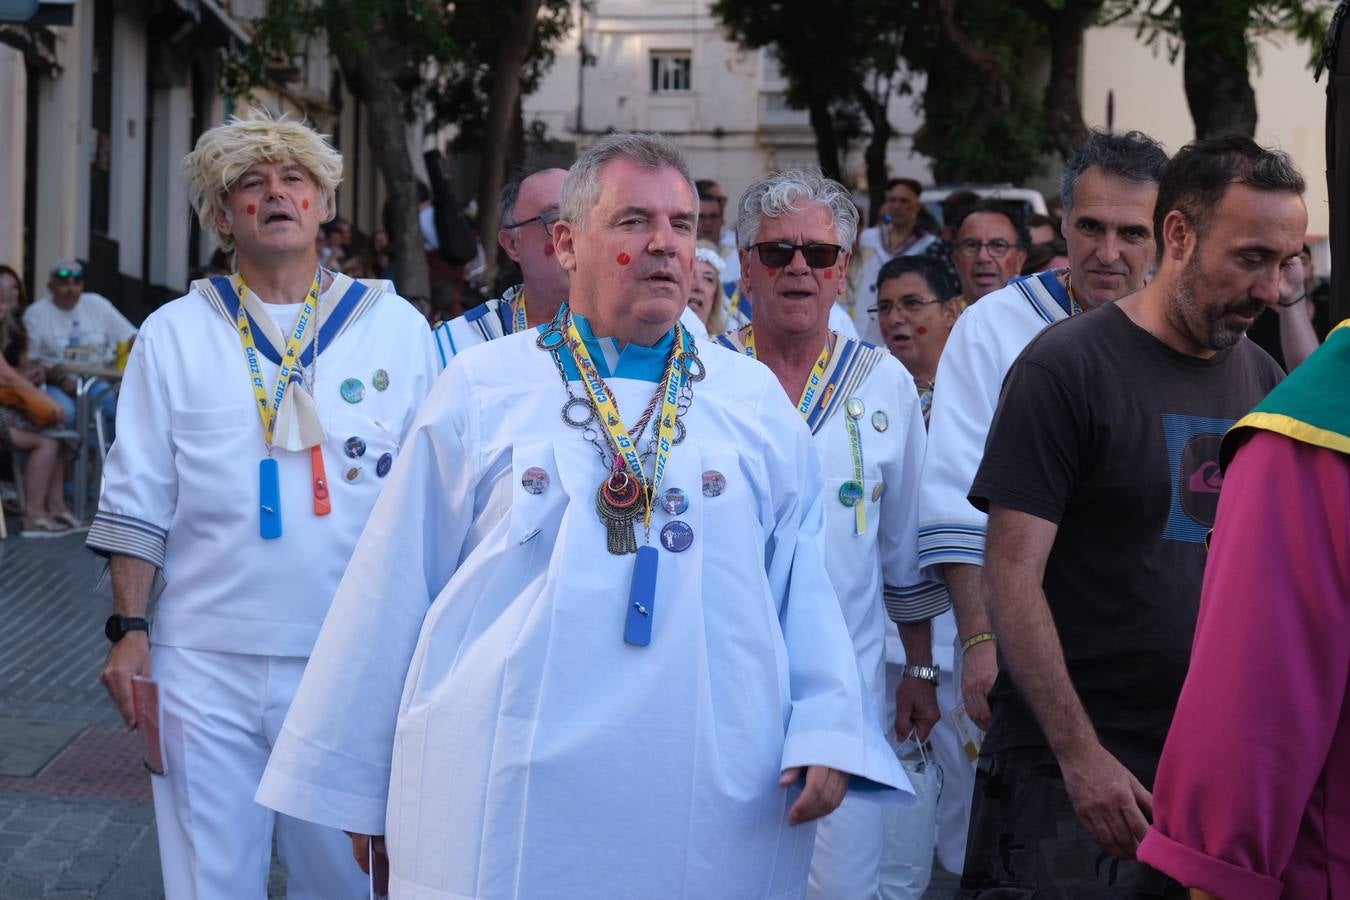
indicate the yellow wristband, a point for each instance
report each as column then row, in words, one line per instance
column 978, row 638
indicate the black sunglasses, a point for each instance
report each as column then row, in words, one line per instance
column 778, row 254
column 68, row 274
column 548, row 218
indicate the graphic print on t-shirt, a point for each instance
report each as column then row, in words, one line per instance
column 1193, row 460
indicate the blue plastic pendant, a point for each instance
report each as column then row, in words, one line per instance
column 637, row 627
column 269, row 499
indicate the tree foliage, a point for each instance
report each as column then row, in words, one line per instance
column 449, row 63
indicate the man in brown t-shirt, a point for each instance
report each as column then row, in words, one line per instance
column 1100, row 477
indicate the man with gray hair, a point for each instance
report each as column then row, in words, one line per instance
column 1108, row 187
column 590, row 626
column 868, row 432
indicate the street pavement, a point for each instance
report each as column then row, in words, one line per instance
column 76, row 819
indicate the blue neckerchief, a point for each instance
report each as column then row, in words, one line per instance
column 635, row 361
column 331, row 326
column 1050, row 281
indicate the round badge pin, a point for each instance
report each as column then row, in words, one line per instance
column 854, row 407
column 878, row 491
column 353, row 391
column 534, row 480
column 677, row 536
column 354, row 447
column 880, row 421
column 674, row 501
column 714, row 483
column 382, row 467
column 380, row 379
column 850, row 493
column 352, row 473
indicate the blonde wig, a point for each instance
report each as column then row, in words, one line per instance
column 227, row 151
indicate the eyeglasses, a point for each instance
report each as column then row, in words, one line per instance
column 998, row 248
column 548, row 218
column 778, row 254
column 68, row 275
column 908, row 304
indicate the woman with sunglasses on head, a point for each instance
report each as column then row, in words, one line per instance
column 44, row 505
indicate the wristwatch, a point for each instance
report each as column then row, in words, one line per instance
column 926, row 673
column 117, row 626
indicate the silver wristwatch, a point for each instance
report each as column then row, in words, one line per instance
column 927, row 673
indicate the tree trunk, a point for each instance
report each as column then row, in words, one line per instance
column 875, row 154
column 827, row 144
column 1063, row 106
column 1215, row 72
column 511, row 56
column 371, row 75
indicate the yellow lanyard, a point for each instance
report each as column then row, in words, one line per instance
column 813, row 383
column 519, row 304
column 855, row 450
column 624, row 449
column 289, row 359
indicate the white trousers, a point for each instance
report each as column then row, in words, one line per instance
column 222, row 713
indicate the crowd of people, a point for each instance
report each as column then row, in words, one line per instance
column 744, row 523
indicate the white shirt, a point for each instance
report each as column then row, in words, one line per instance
column 985, row 341
column 181, row 484
column 872, row 255
column 506, row 739
column 90, row 331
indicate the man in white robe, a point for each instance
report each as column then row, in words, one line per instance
column 1108, row 189
column 521, row 710
column 251, row 517
column 868, row 433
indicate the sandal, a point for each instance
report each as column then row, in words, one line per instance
column 66, row 517
column 43, row 527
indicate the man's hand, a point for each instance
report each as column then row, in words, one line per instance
column 916, row 708
column 824, row 791
column 1112, row 803
column 129, row 656
column 979, row 668
column 361, row 848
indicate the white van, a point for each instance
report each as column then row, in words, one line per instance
column 1031, row 200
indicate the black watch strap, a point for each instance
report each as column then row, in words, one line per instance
column 117, row 626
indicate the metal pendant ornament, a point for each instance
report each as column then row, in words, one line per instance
column 620, row 502
column 880, row 421
column 854, row 407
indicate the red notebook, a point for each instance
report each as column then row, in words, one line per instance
column 149, row 722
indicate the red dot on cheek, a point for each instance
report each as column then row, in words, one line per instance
column 251, row 209
column 304, row 204
column 920, row 330
column 548, row 249
column 773, row 271
column 829, row 274
column 624, row 259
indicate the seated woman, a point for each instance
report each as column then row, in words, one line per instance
column 45, row 512
column 917, row 305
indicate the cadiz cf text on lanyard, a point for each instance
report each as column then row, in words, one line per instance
column 519, row 305
column 269, row 477
column 813, row 381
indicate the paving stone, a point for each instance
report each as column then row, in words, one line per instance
column 21, row 887
column 50, row 850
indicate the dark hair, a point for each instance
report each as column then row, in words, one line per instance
column 1133, row 156
column 1037, row 221
column 910, row 183
column 1009, row 209
column 933, row 272
column 1040, row 255
column 506, row 200
column 703, row 187
column 1197, row 178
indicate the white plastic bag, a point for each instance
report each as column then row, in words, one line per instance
column 907, row 857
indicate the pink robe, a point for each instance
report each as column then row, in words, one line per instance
column 1252, row 798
